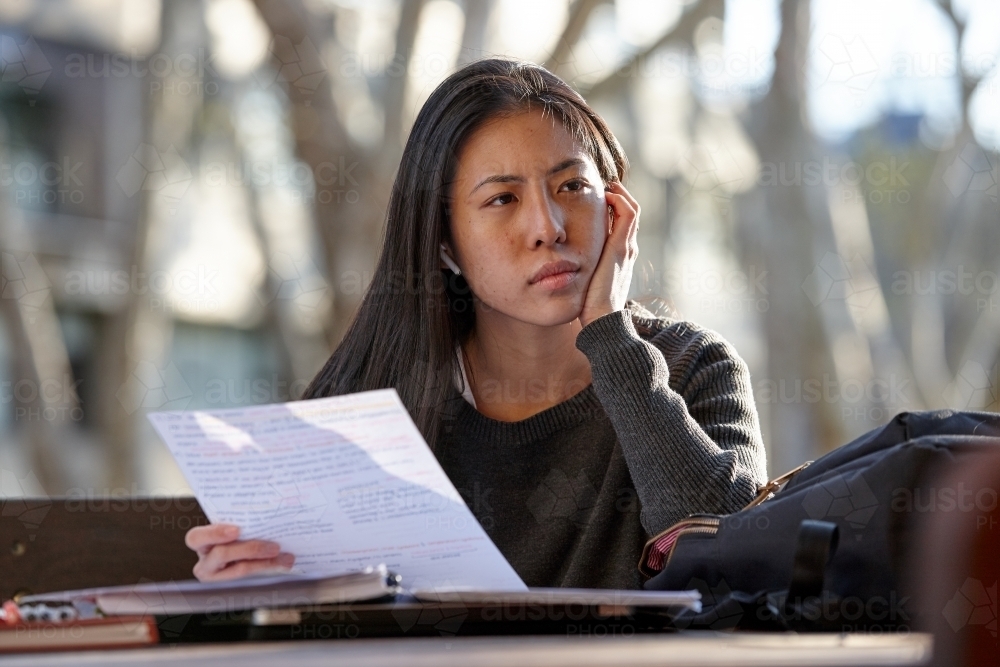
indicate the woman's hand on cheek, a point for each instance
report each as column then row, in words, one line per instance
column 608, row 288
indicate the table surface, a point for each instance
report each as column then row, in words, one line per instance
column 693, row 649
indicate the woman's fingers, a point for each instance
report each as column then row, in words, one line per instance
column 202, row 538
column 608, row 287
column 626, row 209
column 244, row 568
column 617, row 188
column 625, row 214
column 222, row 555
column 625, row 231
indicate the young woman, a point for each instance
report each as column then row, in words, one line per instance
column 576, row 424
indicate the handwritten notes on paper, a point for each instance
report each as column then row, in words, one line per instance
column 342, row 483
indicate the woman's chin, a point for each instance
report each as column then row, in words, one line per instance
column 555, row 313
column 549, row 312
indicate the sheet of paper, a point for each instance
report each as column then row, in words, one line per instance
column 342, row 483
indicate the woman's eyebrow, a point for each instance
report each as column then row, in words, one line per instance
column 497, row 178
column 565, row 164
column 511, row 178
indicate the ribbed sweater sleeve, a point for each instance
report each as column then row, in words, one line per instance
column 682, row 407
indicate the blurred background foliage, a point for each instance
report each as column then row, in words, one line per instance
column 192, row 196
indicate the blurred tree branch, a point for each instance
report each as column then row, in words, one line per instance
column 681, row 34
column 968, row 83
column 406, row 34
column 477, row 15
column 579, row 14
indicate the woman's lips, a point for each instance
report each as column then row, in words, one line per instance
column 555, row 275
column 557, row 280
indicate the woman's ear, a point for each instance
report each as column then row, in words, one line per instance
column 447, row 262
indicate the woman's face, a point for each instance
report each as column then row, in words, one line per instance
column 528, row 218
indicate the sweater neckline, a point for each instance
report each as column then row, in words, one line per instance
column 577, row 408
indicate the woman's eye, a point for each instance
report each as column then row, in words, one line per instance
column 501, row 200
column 575, row 185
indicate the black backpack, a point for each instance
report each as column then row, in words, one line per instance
column 831, row 550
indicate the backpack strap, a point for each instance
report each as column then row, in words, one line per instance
column 816, row 544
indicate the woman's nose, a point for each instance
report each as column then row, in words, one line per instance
column 546, row 222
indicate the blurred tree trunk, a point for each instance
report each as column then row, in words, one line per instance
column 47, row 403
column 351, row 215
column 782, row 224
column 962, row 328
column 137, row 367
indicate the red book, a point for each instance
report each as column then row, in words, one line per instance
column 76, row 635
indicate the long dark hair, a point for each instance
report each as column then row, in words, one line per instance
column 414, row 313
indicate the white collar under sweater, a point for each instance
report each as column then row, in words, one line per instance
column 462, row 380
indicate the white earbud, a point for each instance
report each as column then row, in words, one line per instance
column 449, row 261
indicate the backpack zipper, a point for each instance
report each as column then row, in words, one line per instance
column 769, row 489
column 658, row 551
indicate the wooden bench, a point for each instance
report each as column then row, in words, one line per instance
column 51, row 544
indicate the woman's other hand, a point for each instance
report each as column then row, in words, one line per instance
column 222, row 556
column 608, row 288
